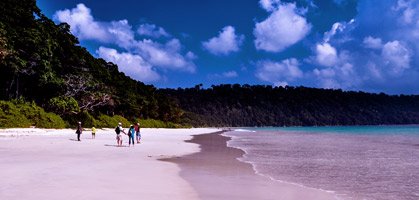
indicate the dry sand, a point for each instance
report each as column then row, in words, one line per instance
column 51, row 164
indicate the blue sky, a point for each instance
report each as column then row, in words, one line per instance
column 368, row 45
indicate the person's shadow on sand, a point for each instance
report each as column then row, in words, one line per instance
column 74, row 140
column 113, row 145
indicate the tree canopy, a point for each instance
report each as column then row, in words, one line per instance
column 43, row 62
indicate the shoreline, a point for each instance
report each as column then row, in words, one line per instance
column 216, row 173
column 267, row 176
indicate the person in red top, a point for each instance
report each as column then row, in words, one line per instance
column 137, row 131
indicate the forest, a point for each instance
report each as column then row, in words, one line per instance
column 46, row 76
column 263, row 105
column 43, row 62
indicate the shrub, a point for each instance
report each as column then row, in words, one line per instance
column 10, row 116
column 105, row 121
column 63, row 105
column 152, row 123
column 17, row 113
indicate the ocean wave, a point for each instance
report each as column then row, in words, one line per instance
column 243, row 130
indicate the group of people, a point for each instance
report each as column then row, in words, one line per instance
column 133, row 133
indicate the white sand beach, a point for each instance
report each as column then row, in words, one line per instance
column 51, row 164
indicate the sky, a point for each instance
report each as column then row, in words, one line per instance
column 367, row 45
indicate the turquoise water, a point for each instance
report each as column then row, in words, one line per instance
column 396, row 129
column 355, row 162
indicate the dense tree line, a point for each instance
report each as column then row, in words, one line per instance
column 43, row 62
column 259, row 105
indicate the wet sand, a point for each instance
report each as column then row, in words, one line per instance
column 215, row 173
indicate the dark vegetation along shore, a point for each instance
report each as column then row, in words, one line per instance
column 48, row 80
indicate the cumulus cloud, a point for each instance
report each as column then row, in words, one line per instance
column 269, row 5
column 166, row 55
column 339, row 27
column 326, row 55
column 408, row 11
column 362, row 54
column 396, row 56
column 151, row 56
column 225, row 43
column 82, row 23
column 341, row 75
column 279, row 73
column 152, row 30
column 372, row 43
column 283, row 28
column 335, row 69
column 132, row 65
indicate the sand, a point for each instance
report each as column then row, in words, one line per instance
column 215, row 173
column 51, row 164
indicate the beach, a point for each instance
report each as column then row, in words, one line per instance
column 51, row 164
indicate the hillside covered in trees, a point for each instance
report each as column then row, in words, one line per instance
column 245, row 105
column 43, row 62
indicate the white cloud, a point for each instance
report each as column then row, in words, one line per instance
column 269, row 5
column 283, row 28
column 152, row 30
column 82, row 23
column 339, row 76
column 373, row 43
column 166, row 56
column 132, row 65
column 161, row 56
column 279, row 73
column 225, row 43
column 337, row 27
column 121, row 33
column 326, row 55
column 408, row 10
column 396, row 56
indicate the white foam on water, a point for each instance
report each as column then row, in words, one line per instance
column 243, row 130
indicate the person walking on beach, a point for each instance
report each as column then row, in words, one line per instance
column 118, row 131
column 79, row 131
column 93, row 132
column 131, row 135
column 137, row 132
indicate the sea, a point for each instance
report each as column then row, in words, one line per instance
column 353, row 162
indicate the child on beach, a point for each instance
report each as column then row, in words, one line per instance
column 79, row 131
column 137, row 132
column 131, row 135
column 118, row 131
column 93, row 132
